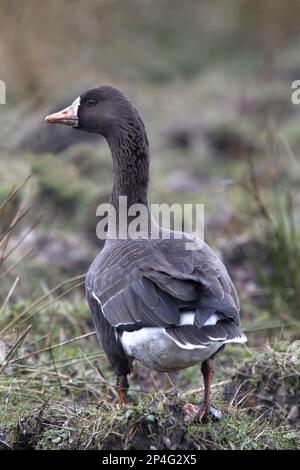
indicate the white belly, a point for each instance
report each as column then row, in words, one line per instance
column 153, row 348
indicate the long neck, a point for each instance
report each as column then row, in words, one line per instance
column 130, row 153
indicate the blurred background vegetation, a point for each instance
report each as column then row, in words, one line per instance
column 212, row 81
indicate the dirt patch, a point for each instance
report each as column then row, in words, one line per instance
column 270, row 386
column 159, row 425
column 166, row 430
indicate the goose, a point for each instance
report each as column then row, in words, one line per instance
column 158, row 301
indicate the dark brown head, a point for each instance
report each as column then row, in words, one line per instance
column 102, row 110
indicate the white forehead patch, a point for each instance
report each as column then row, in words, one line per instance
column 75, row 105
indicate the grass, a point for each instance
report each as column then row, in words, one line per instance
column 277, row 255
column 62, row 396
column 56, row 388
column 57, row 391
column 155, row 423
column 282, row 249
column 238, row 431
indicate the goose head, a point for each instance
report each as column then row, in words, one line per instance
column 107, row 111
column 102, row 110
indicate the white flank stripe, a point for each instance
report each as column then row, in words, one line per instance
column 188, row 318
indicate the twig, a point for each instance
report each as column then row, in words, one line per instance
column 52, row 301
column 9, row 295
column 38, row 301
column 8, row 270
column 50, row 348
column 201, row 389
column 15, row 348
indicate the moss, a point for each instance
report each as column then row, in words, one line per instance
column 238, row 431
column 155, row 423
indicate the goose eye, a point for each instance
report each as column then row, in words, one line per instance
column 90, row 103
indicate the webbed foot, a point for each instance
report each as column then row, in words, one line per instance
column 194, row 413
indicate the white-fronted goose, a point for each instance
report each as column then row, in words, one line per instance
column 152, row 300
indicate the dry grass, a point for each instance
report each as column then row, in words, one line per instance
column 277, row 231
column 33, row 418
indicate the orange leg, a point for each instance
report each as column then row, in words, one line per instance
column 206, row 410
column 207, row 370
column 122, row 387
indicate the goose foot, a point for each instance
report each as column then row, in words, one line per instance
column 194, row 413
column 206, row 410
